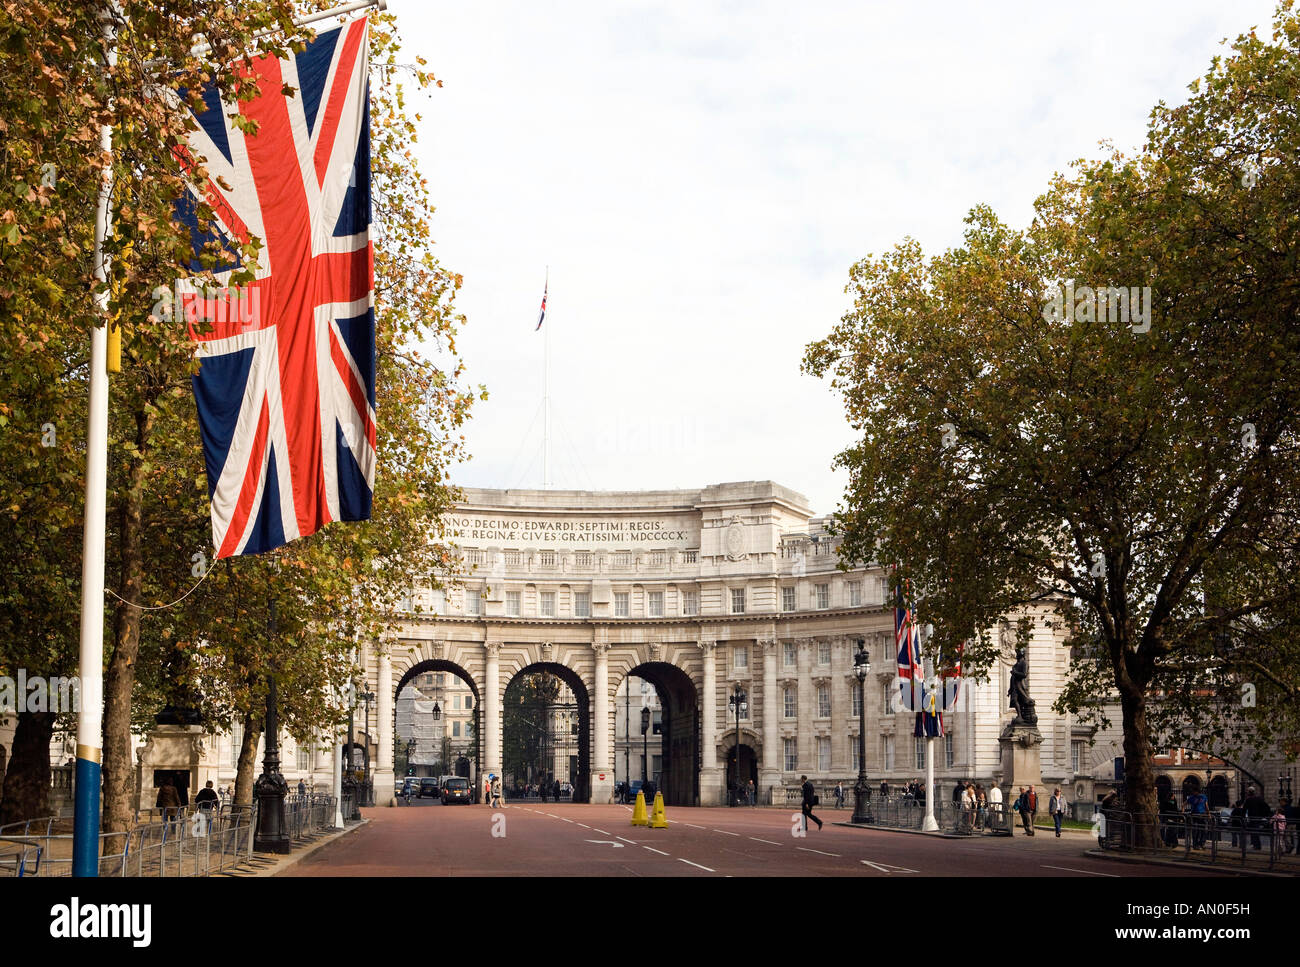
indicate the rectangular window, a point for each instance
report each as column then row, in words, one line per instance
column 428, row 679
column 737, row 600
column 690, row 602
column 620, row 604
column 857, row 699
column 823, row 596
column 855, row 594
column 920, row 752
column 304, row 758
column 948, row 751
column 1076, row 756
column 823, row 652
column 791, row 654
column 887, row 752
column 439, row 601
column 740, row 657
column 441, row 678
column 887, row 699
column 512, row 603
column 583, row 559
column 473, row 602
column 791, row 703
column 823, row 753
column 455, row 702
column 823, row 701
column 582, row 604
column 236, row 742
column 787, row 599
column 857, row 759
column 548, row 604
column 791, row 755
column 513, row 558
column 655, row 602
column 657, row 558
column 455, row 730
column 547, row 559
column 657, row 764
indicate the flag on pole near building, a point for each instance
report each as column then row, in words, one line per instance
column 542, row 314
column 909, row 664
column 286, row 393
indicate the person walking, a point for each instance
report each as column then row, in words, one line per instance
column 810, row 799
column 753, row 793
column 1197, row 818
column 1257, row 814
column 995, row 805
column 1031, row 802
column 496, row 791
column 839, row 795
column 1056, row 809
column 884, row 791
column 169, row 800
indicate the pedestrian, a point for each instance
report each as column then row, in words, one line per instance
column 541, row 790
column 496, row 791
column 1022, row 807
column 995, row 804
column 839, row 795
column 1031, row 802
column 1257, row 815
column 169, row 800
column 968, row 806
column 1279, row 830
column 302, row 788
column 1056, row 809
column 1197, row 819
column 884, row 790
column 1169, row 818
column 810, row 799
column 206, row 798
column 981, row 806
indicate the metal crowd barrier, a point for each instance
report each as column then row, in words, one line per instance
column 1201, row 835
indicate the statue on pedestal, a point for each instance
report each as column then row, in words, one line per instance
column 1019, row 691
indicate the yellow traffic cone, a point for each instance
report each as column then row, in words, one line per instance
column 638, row 811
column 658, row 820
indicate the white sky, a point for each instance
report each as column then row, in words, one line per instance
column 700, row 176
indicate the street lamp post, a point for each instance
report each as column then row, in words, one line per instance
column 861, row 794
column 645, row 741
column 367, row 787
column 737, row 703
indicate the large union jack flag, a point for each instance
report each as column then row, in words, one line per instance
column 286, row 393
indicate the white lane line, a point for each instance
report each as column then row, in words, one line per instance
column 632, row 841
column 886, row 867
column 601, row 831
column 553, row 816
column 807, row 850
column 566, row 820
column 705, row 868
column 767, row 841
column 653, row 850
column 693, row 826
column 584, row 825
column 1070, row 869
column 727, row 832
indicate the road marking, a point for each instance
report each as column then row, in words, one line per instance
column 653, row 850
column 807, row 850
column 610, row 842
column 601, row 831
column 566, row 820
column 553, row 816
column 727, row 832
column 693, row 826
column 585, row 826
column 1070, row 869
column 632, row 841
column 705, row 868
column 886, row 867
column 767, row 841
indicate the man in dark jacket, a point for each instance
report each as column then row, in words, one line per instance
column 1257, row 813
column 808, row 802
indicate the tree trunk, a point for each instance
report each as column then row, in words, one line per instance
column 247, row 760
column 27, row 779
column 119, row 680
column 1139, row 779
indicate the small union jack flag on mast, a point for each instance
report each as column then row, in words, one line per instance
column 543, row 312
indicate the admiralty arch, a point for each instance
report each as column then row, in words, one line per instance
column 696, row 592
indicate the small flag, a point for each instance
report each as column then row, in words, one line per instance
column 909, row 663
column 542, row 315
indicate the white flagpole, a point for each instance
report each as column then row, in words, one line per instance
column 546, row 397
column 931, row 824
column 90, row 711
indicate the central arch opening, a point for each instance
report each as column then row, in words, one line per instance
column 546, row 733
column 673, row 727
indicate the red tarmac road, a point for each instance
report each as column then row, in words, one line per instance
column 598, row 840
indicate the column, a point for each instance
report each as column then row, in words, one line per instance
column 491, row 711
column 711, row 776
column 770, row 772
column 602, row 763
column 382, row 768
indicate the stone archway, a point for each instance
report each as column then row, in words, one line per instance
column 580, row 765
column 680, row 731
column 749, row 754
column 434, row 666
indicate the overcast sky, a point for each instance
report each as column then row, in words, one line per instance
column 700, row 176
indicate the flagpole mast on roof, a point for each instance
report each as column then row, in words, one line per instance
column 546, row 399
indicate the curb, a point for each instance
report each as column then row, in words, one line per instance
column 298, row 855
column 1184, row 864
column 937, row 834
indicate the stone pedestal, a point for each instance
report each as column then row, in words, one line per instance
column 712, row 786
column 1020, row 745
column 176, row 749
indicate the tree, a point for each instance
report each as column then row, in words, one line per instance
column 1032, row 436
column 525, row 712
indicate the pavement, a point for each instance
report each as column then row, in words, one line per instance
column 566, row 839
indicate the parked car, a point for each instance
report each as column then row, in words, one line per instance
column 456, row 790
column 630, row 791
column 429, row 787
